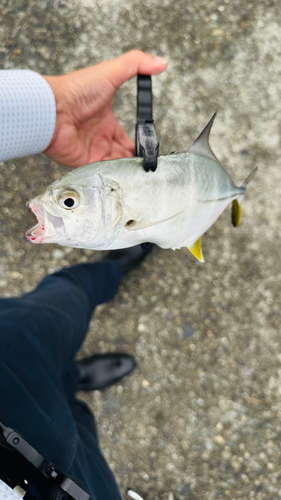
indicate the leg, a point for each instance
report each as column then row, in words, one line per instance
column 66, row 301
column 40, row 334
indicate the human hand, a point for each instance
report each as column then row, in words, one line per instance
column 86, row 128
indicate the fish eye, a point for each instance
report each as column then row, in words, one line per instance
column 69, row 200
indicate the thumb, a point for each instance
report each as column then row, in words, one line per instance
column 128, row 65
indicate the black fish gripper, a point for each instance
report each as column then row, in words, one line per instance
column 146, row 141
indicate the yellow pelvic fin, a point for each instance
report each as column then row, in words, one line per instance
column 195, row 249
column 236, row 213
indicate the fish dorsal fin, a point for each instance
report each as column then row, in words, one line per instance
column 235, row 213
column 195, row 249
column 201, row 146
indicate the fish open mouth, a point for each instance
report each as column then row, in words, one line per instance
column 47, row 227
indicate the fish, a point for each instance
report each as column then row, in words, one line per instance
column 114, row 204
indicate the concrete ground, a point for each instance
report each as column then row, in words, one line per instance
column 201, row 416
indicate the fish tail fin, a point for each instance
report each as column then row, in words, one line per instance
column 236, row 210
column 249, row 178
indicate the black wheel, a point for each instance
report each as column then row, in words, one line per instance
column 57, row 493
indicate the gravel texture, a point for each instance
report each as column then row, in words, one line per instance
column 201, row 416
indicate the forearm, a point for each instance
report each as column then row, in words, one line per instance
column 27, row 113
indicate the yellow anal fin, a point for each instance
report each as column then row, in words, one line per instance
column 236, row 213
column 195, row 249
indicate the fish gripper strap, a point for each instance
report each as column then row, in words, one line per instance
column 146, row 142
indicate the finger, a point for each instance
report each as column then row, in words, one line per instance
column 117, row 151
column 129, row 153
column 122, row 138
column 128, row 65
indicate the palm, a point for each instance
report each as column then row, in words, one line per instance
column 99, row 138
column 86, row 128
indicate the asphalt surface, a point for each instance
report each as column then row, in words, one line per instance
column 201, row 416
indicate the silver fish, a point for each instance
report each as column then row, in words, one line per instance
column 116, row 204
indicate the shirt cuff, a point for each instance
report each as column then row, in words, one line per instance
column 27, row 113
column 7, row 493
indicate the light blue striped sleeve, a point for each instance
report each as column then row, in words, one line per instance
column 27, row 113
column 6, row 493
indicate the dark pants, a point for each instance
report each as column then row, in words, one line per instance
column 39, row 336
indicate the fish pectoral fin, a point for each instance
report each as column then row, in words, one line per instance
column 201, row 146
column 236, row 213
column 134, row 225
column 195, row 249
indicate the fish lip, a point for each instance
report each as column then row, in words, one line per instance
column 38, row 233
column 30, row 235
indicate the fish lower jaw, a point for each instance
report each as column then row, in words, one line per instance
column 49, row 229
column 35, row 234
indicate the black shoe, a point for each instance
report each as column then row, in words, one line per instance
column 128, row 258
column 102, row 370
